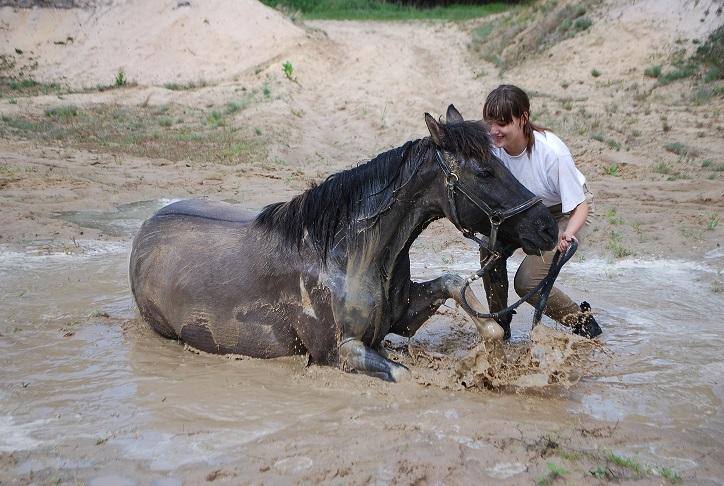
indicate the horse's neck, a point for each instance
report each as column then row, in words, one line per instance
column 381, row 243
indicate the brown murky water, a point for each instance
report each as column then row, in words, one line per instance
column 89, row 394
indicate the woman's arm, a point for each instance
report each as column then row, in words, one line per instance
column 575, row 223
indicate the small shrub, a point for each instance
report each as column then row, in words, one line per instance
column 595, row 72
column 617, row 249
column 611, row 170
column 62, row 111
column 653, row 71
column 598, row 137
column 582, row 23
column 613, row 144
column 121, row 78
column 680, row 73
column 669, row 475
column 713, row 74
column 266, row 90
column 232, row 107
column 676, row 148
column 613, row 218
column 215, row 120
column 627, row 463
column 23, row 84
column 288, row 70
column 712, row 222
column 662, row 167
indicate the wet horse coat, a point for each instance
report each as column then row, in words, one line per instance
column 328, row 272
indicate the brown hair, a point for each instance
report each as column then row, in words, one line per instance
column 508, row 101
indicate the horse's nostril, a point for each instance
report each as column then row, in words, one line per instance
column 551, row 231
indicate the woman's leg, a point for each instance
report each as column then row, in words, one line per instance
column 560, row 307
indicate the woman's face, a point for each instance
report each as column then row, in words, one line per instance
column 509, row 136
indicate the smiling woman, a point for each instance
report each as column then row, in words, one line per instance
column 543, row 164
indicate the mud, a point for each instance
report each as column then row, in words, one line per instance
column 89, row 393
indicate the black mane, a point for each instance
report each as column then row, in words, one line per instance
column 354, row 197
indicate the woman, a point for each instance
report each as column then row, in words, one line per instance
column 543, row 164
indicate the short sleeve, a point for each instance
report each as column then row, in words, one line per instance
column 570, row 183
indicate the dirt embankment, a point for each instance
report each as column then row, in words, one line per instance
column 205, row 107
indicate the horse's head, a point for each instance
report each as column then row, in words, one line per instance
column 474, row 182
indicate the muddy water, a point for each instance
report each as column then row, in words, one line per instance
column 88, row 393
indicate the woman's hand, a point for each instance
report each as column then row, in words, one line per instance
column 565, row 240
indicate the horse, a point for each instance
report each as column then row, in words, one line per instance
column 327, row 273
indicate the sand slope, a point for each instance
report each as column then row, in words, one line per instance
column 152, row 41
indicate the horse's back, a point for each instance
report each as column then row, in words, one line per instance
column 208, row 210
column 196, row 273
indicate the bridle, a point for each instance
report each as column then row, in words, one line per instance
column 497, row 217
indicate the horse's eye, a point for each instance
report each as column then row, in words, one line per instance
column 484, row 174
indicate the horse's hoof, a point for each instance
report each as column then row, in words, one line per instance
column 400, row 374
column 490, row 330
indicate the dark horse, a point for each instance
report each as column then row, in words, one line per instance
column 328, row 273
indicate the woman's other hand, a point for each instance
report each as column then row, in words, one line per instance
column 565, row 241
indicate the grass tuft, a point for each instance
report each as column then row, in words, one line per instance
column 67, row 111
column 653, row 71
column 627, row 463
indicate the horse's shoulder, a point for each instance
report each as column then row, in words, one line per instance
column 206, row 209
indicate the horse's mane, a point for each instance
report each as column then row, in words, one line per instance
column 355, row 197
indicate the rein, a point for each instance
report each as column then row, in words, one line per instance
column 497, row 217
column 544, row 286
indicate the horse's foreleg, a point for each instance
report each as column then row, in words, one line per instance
column 495, row 282
column 427, row 297
column 356, row 315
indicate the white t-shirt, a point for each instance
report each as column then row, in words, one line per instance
column 549, row 172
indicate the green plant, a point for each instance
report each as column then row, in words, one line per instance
column 676, row 148
column 712, row 222
column 554, row 472
column 613, row 144
column 670, row 475
column 611, row 170
column 266, row 90
column 382, row 10
column 23, row 84
column 627, row 463
column 653, row 71
column 598, row 137
column 612, row 216
column 288, row 70
column 67, row 111
column 215, row 120
column 615, row 245
column 121, row 78
column 662, row 167
column 232, row 107
column 595, row 72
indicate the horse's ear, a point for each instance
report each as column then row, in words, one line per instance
column 453, row 115
column 436, row 131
